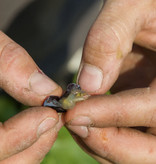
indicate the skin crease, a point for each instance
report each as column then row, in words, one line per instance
column 121, row 128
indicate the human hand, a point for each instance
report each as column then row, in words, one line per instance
column 103, row 123
column 28, row 136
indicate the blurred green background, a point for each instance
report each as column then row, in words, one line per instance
column 64, row 151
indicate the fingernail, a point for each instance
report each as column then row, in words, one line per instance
column 46, row 125
column 90, row 78
column 81, row 121
column 60, row 122
column 81, row 131
column 41, row 84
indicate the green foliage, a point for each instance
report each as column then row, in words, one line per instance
column 66, row 151
column 8, row 108
column 75, row 78
column 108, row 93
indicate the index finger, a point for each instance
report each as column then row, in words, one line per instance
column 125, row 109
column 21, row 77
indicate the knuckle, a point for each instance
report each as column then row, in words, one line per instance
column 10, row 55
column 102, row 42
column 99, row 46
column 119, row 118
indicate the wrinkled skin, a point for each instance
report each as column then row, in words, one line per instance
column 102, row 125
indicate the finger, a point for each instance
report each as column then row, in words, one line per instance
column 121, row 145
column 137, row 71
column 147, row 37
column 82, row 144
column 21, row 77
column 24, row 129
column 110, row 39
column 36, row 153
column 129, row 108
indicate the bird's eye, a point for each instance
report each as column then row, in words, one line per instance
column 73, row 86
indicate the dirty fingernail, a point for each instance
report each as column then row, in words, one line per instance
column 81, row 131
column 90, row 78
column 46, row 125
column 81, row 121
column 41, row 84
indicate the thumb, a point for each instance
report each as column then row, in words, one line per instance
column 28, row 128
column 108, row 42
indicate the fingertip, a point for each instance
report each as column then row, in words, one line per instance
column 90, row 78
column 46, row 125
column 80, row 113
column 81, row 131
column 41, row 84
column 95, row 79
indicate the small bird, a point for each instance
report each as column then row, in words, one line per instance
column 72, row 95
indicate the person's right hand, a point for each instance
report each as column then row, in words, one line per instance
column 28, row 136
column 107, row 126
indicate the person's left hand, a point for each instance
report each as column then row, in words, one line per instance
column 28, row 136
